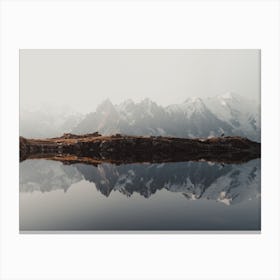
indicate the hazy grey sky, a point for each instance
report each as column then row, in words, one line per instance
column 81, row 79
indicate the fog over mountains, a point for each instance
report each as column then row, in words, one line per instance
column 229, row 113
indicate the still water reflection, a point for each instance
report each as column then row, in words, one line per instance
column 167, row 196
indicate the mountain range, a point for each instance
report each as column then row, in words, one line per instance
column 196, row 117
column 228, row 114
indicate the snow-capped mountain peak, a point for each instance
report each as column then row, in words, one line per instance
column 195, row 117
column 227, row 113
column 126, row 104
column 194, row 105
column 105, row 106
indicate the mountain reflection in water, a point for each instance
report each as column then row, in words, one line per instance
column 166, row 196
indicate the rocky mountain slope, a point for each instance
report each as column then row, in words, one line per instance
column 196, row 117
column 228, row 113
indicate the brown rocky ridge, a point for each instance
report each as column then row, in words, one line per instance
column 94, row 149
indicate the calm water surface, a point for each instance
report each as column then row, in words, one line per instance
column 169, row 196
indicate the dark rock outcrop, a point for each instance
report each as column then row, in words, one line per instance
column 94, row 148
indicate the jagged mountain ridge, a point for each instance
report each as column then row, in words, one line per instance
column 196, row 117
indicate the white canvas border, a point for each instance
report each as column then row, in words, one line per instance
column 155, row 24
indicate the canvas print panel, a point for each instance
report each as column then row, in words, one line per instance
column 140, row 140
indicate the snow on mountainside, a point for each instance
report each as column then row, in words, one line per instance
column 242, row 114
column 196, row 117
column 229, row 113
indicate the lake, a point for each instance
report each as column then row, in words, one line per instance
column 177, row 196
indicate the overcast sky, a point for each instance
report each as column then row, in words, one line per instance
column 82, row 79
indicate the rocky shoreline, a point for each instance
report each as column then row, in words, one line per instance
column 95, row 148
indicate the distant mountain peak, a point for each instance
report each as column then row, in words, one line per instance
column 147, row 102
column 195, row 117
column 194, row 105
column 194, row 99
column 106, row 105
column 128, row 103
